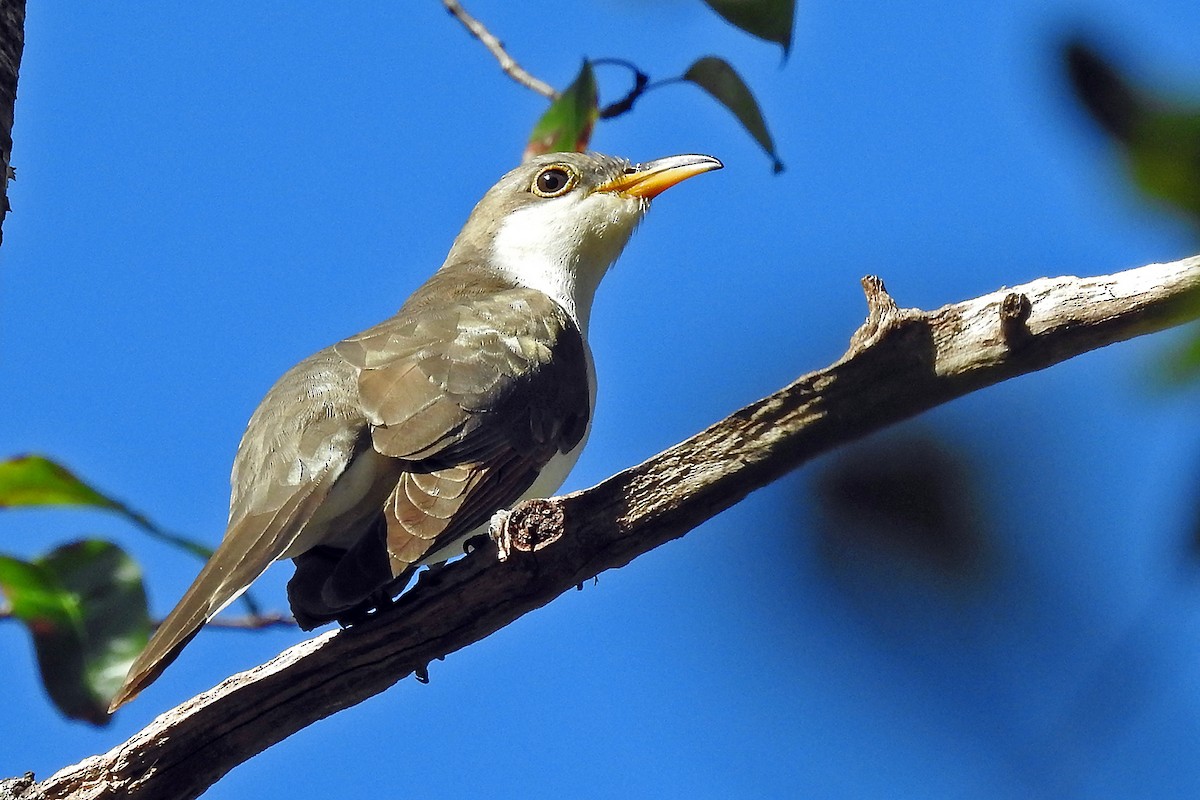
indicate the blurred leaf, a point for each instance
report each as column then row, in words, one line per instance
column 85, row 607
column 906, row 496
column 719, row 79
column 1106, row 95
column 1161, row 138
column 1181, row 364
column 32, row 480
column 567, row 124
column 1165, row 159
column 767, row 19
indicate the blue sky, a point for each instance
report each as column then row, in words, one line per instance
column 207, row 195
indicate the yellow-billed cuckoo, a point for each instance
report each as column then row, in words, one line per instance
column 389, row 449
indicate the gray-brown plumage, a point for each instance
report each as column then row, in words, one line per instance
column 388, row 449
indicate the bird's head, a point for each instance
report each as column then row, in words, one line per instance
column 558, row 222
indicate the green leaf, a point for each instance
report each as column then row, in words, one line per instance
column 715, row 76
column 1160, row 136
column 567, row 124
column 37, row 481
column 767, row 19
column 1179, row 366
column 33, row 480
column 85, row 606
column 1164, row 157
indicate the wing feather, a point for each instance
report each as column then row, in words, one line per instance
column 476, row 396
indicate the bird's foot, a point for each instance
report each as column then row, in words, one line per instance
column 375, row 604
column 354, row 616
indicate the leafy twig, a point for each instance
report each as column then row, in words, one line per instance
column 641, row 81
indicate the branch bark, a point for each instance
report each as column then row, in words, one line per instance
column 12, row 45
column 900, row 362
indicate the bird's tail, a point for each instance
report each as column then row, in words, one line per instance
column 250, row 545
column 204, row 599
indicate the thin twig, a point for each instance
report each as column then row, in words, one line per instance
column 248, row 622
column 254, row 622
column 507, row 63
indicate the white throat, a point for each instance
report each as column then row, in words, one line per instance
column 563, row 247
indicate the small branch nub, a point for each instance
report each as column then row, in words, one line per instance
column 1015, row 309
column 882, row 315
column 529, row 527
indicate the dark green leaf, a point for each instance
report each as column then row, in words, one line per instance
column 1111, row 100
column 567, row 124
column 906, row 498
column 1164, row 157
column 33, row 480
column 716, row 77
column 766, row 19
column 85, row 607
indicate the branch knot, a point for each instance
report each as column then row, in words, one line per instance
column 529, row 527
column 1015, row 309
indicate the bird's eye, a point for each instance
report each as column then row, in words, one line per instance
column 553, row 181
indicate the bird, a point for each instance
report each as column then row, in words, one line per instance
column 389, row 449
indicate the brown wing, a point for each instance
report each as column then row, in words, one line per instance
column 454, row 407
column 296, row 446
column 476, row 396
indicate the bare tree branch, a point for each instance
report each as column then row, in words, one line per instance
column 15, row 788
column 900, row 362
column 12, row 45
column 507, row 63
